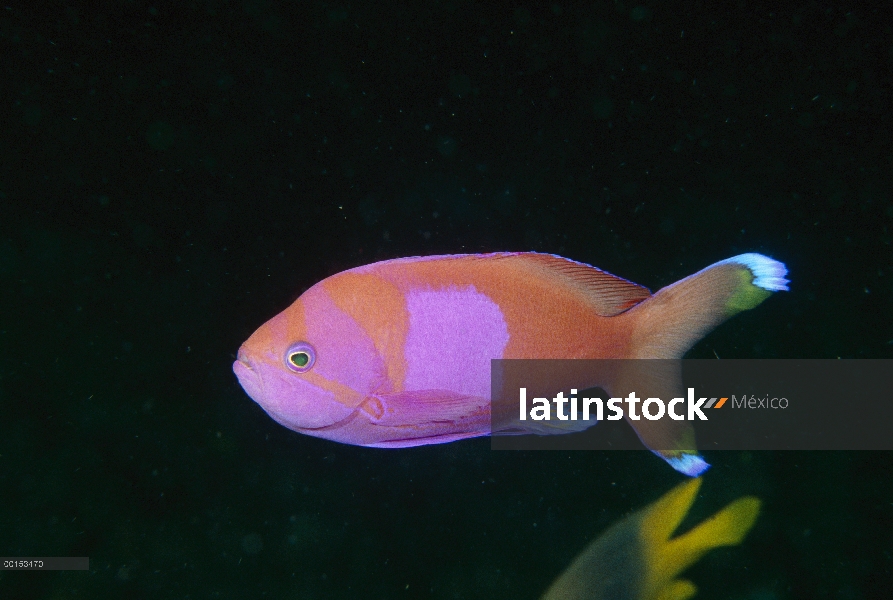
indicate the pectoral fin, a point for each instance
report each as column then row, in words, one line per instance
column 427, row 417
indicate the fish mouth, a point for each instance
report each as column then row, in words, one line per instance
column 242, row 357
column 289, row 401
column 249, row 379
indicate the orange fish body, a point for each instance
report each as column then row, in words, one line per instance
column 397, row 353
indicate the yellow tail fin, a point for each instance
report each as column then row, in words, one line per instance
column 637, row 560
column 665, row 558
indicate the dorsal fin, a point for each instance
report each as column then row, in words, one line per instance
column 610, row 295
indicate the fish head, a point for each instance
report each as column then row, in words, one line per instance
column 311, row 366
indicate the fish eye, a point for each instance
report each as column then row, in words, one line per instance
column 300, row 357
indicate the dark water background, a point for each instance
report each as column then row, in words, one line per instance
column 174, row 174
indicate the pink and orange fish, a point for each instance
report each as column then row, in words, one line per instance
column 397, row 353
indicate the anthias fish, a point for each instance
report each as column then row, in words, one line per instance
column 635, row 559
column 397, row 353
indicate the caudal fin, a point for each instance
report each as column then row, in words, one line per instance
column 670, row 322
column 637, row 560
column 676, row 317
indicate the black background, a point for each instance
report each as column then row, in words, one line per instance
column 174, row 174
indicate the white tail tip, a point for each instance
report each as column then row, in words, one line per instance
column 768, row 273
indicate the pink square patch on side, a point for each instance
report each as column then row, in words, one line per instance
column 453, row 334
